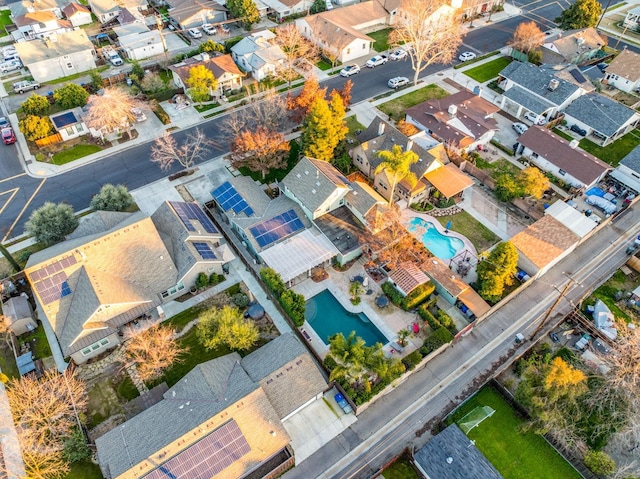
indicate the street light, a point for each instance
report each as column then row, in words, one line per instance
column 553, row 306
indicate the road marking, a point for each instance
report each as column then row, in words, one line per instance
column 13, row 192
column 12, row 177
column 26, row 205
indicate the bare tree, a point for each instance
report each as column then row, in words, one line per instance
column 432, row 30
column 166, row 150
column 259, row 150
column 527, row 37
column 270, row 111
column 111, row 111
column 152, row 351
column 297, row 50
column 41, row 459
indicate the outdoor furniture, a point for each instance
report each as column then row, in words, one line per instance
column 256, row 311
column 382, row 301
column 306, row 335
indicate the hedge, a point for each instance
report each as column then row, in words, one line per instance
column 439, row 337
column 446, row 321
column 429, row 318
column 410, row 361
column 419, row 295
column 294, row 305
column 273, row 281
column 393, row 294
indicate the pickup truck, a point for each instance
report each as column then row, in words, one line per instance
column 25, row 85
column 112, row 56
column 342, row 402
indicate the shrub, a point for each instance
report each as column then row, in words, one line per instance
column 202, row 281
column 216, row 278
column 419, row 295
column 436, row 339
column 162, row 115
column 241, row 300
column 112, row 198
column 393, row 294
column 356, row 300
column 446, row 321
column 35, row 105
column 412, row 360
column 70, row 96
column 429, row 318
column 294, row 304
column 75, row 447
column 35, row 127
column 599, row 463
column 329, row 362
column 273, row 281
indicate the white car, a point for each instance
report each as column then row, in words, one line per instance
column 398, row 54
column 535, row 119
column 195, row 33
column 349, row 70
column 397, row 82
column 10, row 66
column 520, row 128
column 377, row 60
column 466, row 56
column 209, row 29
column 138, row 114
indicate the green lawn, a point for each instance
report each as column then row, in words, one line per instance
column 401, row 469
column 480, row 236
column 324, row 65
column 353, row 124
column 497, row 168
column 606, row 293
column 5, row 18
column 8, row 361
column 74, row 153
column 613, row 152
column 562, row 134
column 84, row 470
column 294, row 156
column 515, row 455
column 381, row 38
column 488, row 71
column 396, row 108
column 40, row 346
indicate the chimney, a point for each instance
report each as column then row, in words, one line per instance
column 553, row 84
column 381, row 126
column 409, row 144
column 453, row 109
column 573, row 144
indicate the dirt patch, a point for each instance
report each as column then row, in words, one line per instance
column 103, row 402
column 627, row 99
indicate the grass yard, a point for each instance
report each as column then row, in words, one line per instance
column 8, row 361
column 39, row 344
column 84, row 470
column 396, row 108
column 606, row 293
column 497, row 168
column 381, row 37
column 324, row 65
column 278, row 174
column 480, row 236
column 515, row 455
column 401, row 469
column 353, row 124
column 74, row 153
column 613, row 152
column 562, row 134
column 5, row 18
column 487, row 71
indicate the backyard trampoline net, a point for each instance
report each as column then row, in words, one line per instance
column 475, row 417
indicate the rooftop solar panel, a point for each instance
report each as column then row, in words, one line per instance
column 51, row 281
column 276, row 228
column 228, row 198
column 577, row 74
column 190, row 211
column 207, row 457
column 205, row 250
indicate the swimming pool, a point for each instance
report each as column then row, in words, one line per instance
column 444, row 247
column 327, row 317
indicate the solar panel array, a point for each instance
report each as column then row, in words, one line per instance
column 51, row 281
column 276, row 228
column 206, row 458
column 205, row 250
column 228, row 198
column 191, row 211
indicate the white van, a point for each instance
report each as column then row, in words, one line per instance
column 10, row 66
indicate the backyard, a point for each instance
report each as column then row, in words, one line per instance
column 480, row 236
column 613, row 152
column 607, row 294
column 401, row 469
column 514, row 454
column 395, row 108
column 488, row 71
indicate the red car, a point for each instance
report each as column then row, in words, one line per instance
column 8, row 136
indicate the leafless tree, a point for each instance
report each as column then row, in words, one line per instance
column 432, row 30
column 42, row 460
column 527, row 37
column 270, row 112
column 166, row 150
column 111, row 111
column 297, row 49
column 152, row 351
column 259, row 150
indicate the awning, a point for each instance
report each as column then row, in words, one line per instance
column 474, row 302
column 626, row 180
column 449, row 180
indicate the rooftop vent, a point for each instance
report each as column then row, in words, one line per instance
column 553, row 84
column 574, row 144
column 449, row 460
column 453, row 109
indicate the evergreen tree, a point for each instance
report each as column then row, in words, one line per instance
column 323, row 128
column 51, row 222
column 581, row 14
column 244, row 10
column 497, row 271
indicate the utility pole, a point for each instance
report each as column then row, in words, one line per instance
column 603, row 12
column 550, row 310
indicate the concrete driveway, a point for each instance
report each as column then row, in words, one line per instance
column 505, row 134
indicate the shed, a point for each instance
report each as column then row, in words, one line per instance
column 18, row 315
column 25, row 363
column 578, row 223
column 408, row 277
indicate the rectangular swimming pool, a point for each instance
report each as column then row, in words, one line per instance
column 327, row 317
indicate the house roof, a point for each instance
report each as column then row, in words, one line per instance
column 451, row 455
column 258, row 51
column 578, row 163
column 626, row 65
column 313, row 181
column 342, row 228
column 73, row 8
column 15, row 309
column 408, row 277
column 440, row 273
column 362, row 198
column 571, row 218
column 287, row 373
column 333, row 32
column 20, row 8
column 536, row 80
column 531, row 102
column 54, row 47
column 102, row 7
column 218, row 65
column 31, row 18
column 474, row 302
column 632, row 160
column 354, row 15
column 449, row 180
column 575, row 42
column 600, row 112
column 186, row 9
column 544, row 241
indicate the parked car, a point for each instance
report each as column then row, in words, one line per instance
column 466, row 56
column 342, row 402
column 138, row 114
column 195, row 33
column 554, row 337
column 520, row 128
column 580, row 131
column 209, row 29
column 535, row 119
column 26, row 85
column 349, row 70
column 377, row 60
column 398, row 54
column 3, row 122
column 397, row 82
column 171, row 27
column 8, row 136
column 10, row 66
column 225, row 28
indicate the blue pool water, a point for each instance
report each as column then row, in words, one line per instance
column 444, row 247
column 327, row 317
column 595, row 191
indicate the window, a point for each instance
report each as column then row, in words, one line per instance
column 95, row 346
column 70, row 131
column 534, row 154
column 562, row 172
column 104, row 342
column 364, row 46
column 86, row 351
column 70, row 65
column 348, row 51
column 79, row 127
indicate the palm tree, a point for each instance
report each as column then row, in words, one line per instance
column 398, row 164
column 350, row 356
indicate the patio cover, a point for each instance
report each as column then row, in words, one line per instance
column 474, row 302
column 408, row 277
column 299, row 254
column 449, row 180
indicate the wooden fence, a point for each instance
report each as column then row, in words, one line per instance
column 49, row 140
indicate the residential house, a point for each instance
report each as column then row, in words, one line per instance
column 562, row 158
column 69, row 124
column 528, row 88
column 29, row 6
column 341, row 33
column 462, row 121
column 632, row 18
column 407, row 277
column 285, row 8
column 116, row 267
column 77, row 14
column 223, row 419
column 223, row 67
column 58, row 56
column 452, row 455
column 624, row 71
column 35, row 25
column 543, row 244
column 138, row 42
column 574, row 46
column 256, row 55
column 602, row 117
column 570, row 217
column 472, row 8
column 108, row 10
column 193, row 13
column 18, row 316
column 628, row 170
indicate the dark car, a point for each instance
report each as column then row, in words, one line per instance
column 8, row 136
column 554, row 337
column 578, row 130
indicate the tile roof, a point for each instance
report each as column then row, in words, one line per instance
column 574, row 42
column 66, row 43
column 74, row 8
column 440, row 273
column 632, row 160
column 626, row 65
column 578, row 163
column 363, row 198
column 218, row 65
column 544, row 241
column 536, row 80
column 600, row 112
column 449, row 180
column 408, row 277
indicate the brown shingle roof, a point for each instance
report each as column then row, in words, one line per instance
column 578, row 163
column 545, row 240
column 217, row 65
column 574, row 42
column 408, row 277
column 354, row 15
column 31, row 18
column 449, row 180
column 626, row 65
column 73, row 8
column 440, row 273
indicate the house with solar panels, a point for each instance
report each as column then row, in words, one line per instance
column 69, row 124
column 117, row 267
